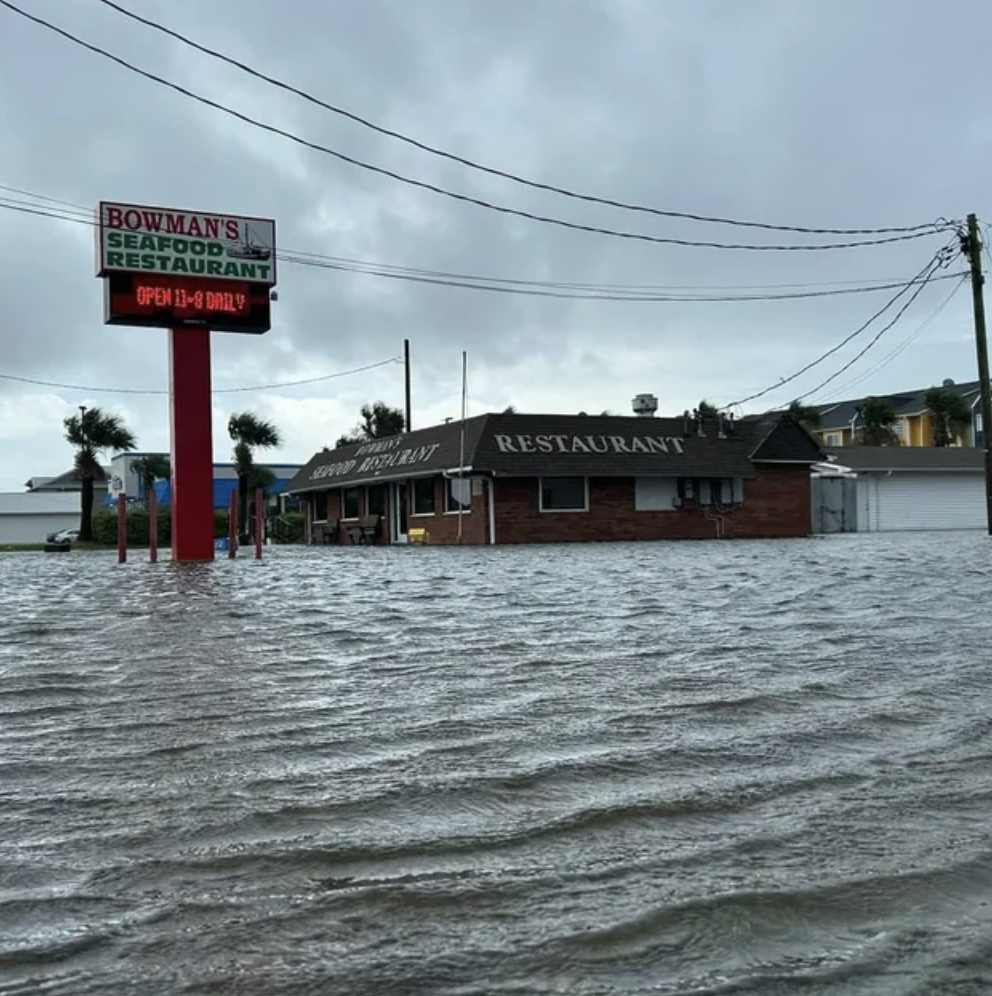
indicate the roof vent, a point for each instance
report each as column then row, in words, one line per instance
column 645, row 405
column 948, row 382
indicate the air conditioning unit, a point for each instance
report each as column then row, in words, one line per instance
column 644, row 405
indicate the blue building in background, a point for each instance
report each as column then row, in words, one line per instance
column 123, row 478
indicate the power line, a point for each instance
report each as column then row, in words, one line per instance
column 902, row 347
column 43, row 197
column 504, row 285
column 593, row 295
column 464, row 198
column 88, row 217
column 224, row 390
column 878, row 335
column 879, row 283
column 920, row 281
column 472, row 164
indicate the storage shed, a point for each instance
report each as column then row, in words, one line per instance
column 903, row 488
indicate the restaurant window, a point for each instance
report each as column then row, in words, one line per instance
column 423, row 496
column 834, row 439
column 564, row 494
column 350, row 503
column 375, row 500
column 458, row 494
column 320, row 506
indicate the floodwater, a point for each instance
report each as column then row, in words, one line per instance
column 735, row 767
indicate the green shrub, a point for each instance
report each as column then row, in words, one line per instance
column 293, row 528
column 222, row 522
column 105, row 526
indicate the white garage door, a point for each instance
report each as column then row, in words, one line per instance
column 34, row 528
column 901, row 501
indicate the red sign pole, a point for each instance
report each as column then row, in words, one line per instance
column 232, row 530
column 121, row 528
column 152, row 525
column 259, row 523
column 192, row 445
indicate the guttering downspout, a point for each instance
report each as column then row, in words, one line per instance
column 491, row 482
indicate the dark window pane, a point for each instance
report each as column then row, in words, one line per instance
column 423, row 496
column 350, row 500
column 320, row 506
column 376, row 501
column 563, row 494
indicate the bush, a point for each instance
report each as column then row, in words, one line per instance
column 105, row 526
column 295, row 526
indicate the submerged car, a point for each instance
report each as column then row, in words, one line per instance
column 63, row 536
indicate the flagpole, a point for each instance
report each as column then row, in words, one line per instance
column 461, row 457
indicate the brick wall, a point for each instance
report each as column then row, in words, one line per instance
column 441, row 527
column 776, row 504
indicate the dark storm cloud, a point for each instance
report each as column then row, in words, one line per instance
column 850, row 115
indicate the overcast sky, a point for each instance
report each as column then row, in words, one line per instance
column 845, row 114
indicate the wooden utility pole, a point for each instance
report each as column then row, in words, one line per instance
column 406, row 382
column 973, row 250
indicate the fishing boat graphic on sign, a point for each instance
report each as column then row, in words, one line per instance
column 249, row 247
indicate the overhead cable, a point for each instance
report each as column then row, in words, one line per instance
column 901, row 348
column 503, row 285
column 220, row 390
column 492, row 171
column 937, row 226
column 920, row 281
column 878, row 335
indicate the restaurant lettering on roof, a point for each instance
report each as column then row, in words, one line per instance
column 588, row 444
column 551, row 478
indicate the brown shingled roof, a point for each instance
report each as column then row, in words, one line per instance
column 520, row 445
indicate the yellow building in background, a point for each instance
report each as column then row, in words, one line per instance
column 841, row 425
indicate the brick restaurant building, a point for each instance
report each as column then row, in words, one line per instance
column 552, row 478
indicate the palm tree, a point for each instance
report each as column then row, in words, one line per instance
column 706, row 410
column 806, row 415
column 949, row 413
column 249, row 433
column 150, row 468
column 92, row 432
column 259, row 477
column 878, row 415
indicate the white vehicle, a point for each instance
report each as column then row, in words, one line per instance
column 64, row 536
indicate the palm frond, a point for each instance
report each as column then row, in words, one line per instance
column 253, row 431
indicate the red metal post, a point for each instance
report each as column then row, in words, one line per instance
column 152, row 525
column 232, row 531
column 259, row 523
column 121, row 528
column 192, row 445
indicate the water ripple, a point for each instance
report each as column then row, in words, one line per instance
column 755, row 768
